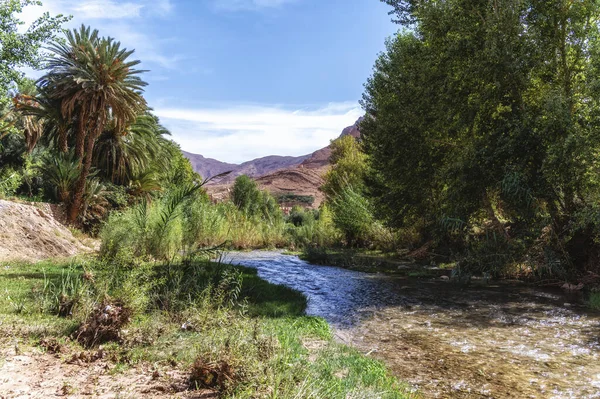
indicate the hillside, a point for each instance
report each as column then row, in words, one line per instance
column 320, row 158
column 256, row 168
column 281, row 176
column 208, row 167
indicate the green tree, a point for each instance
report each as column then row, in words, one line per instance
column 179, row 172
column 349, row 166
column 486, row 110
column 345, row 189
column 96, row 84
column 22, row 49
column 31, row 127
column 245, row 194
column 248, row 198
column 353, row 216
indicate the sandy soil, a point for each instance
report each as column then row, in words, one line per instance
column 33, row 232
column 42, row 375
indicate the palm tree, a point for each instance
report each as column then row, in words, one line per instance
column 45, row 111
column 24, row 101
column 95, row 83
column 121, row 156
column 61, row 173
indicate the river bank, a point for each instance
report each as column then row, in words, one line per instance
column 502, row 340
column 369, row 261
column 196, row 330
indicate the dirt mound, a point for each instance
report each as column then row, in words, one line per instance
column 32, row 232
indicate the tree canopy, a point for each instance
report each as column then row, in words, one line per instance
column 20, row 47
column 486, row 110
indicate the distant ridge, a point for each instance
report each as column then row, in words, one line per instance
column 208, row 167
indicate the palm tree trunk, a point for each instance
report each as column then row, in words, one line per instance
column 63, row 146
column 77, row 200
column 80, row 139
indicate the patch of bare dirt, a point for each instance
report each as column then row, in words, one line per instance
column 37, row 375
column 298, row 181
column 33, row 232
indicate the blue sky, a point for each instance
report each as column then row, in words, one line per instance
column 240, row 79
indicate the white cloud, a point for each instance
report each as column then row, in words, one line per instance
column 117, row 19
column 244, row 5
column 99, row 9
column 162, row 6
column 241, row 133
column 106, row 9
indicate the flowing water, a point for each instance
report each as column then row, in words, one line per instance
column 502, row 340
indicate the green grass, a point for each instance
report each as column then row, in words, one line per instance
column 261, row 332
column 22, row 314
column 266, row 299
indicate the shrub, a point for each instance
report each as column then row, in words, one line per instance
column 311, row 228
column 10, row 181
column 60, row 173
column 249, row 199
column 148, row 229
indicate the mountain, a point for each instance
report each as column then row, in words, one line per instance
column 208, row 167
column 284, row 177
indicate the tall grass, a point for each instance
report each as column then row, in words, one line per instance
column 180, row 224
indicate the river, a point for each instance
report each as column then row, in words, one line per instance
column 498, row 340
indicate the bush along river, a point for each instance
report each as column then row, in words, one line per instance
column 497, row 340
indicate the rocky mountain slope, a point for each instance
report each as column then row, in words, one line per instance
column 208, row 167
column 320, row 158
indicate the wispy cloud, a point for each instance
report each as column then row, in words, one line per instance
column 106, row 9
column 241, row 133
column 99, row 9
column 245, row 5
column 118, row 19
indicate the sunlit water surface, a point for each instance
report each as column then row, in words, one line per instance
column 503, row 340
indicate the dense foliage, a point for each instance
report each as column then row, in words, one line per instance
column 22, row 49
column 82, row 135
column 246, row 196
column 482, row 127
